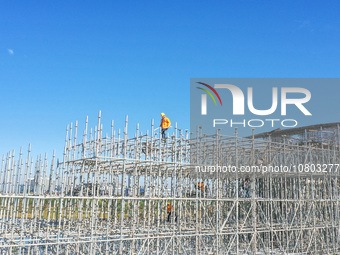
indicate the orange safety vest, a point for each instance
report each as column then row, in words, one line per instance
column 168, row 209
column 200, row 185
column 165, row 123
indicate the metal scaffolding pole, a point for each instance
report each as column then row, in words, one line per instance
column 109, row 194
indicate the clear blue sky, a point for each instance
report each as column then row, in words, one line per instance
column 63, row 60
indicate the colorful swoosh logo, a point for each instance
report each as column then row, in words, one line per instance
column 209, row 93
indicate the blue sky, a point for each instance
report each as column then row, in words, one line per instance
column 63, row 60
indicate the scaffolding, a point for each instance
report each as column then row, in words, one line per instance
column 141, row 194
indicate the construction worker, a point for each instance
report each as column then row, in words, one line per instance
column 165, row 124
column 260, row 161
column 169, row 209
column 200, row 185
column 246, row 186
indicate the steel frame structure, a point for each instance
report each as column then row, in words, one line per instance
column 109, row 195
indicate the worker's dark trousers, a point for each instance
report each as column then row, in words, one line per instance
column 164, row 132
column 169, row 216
